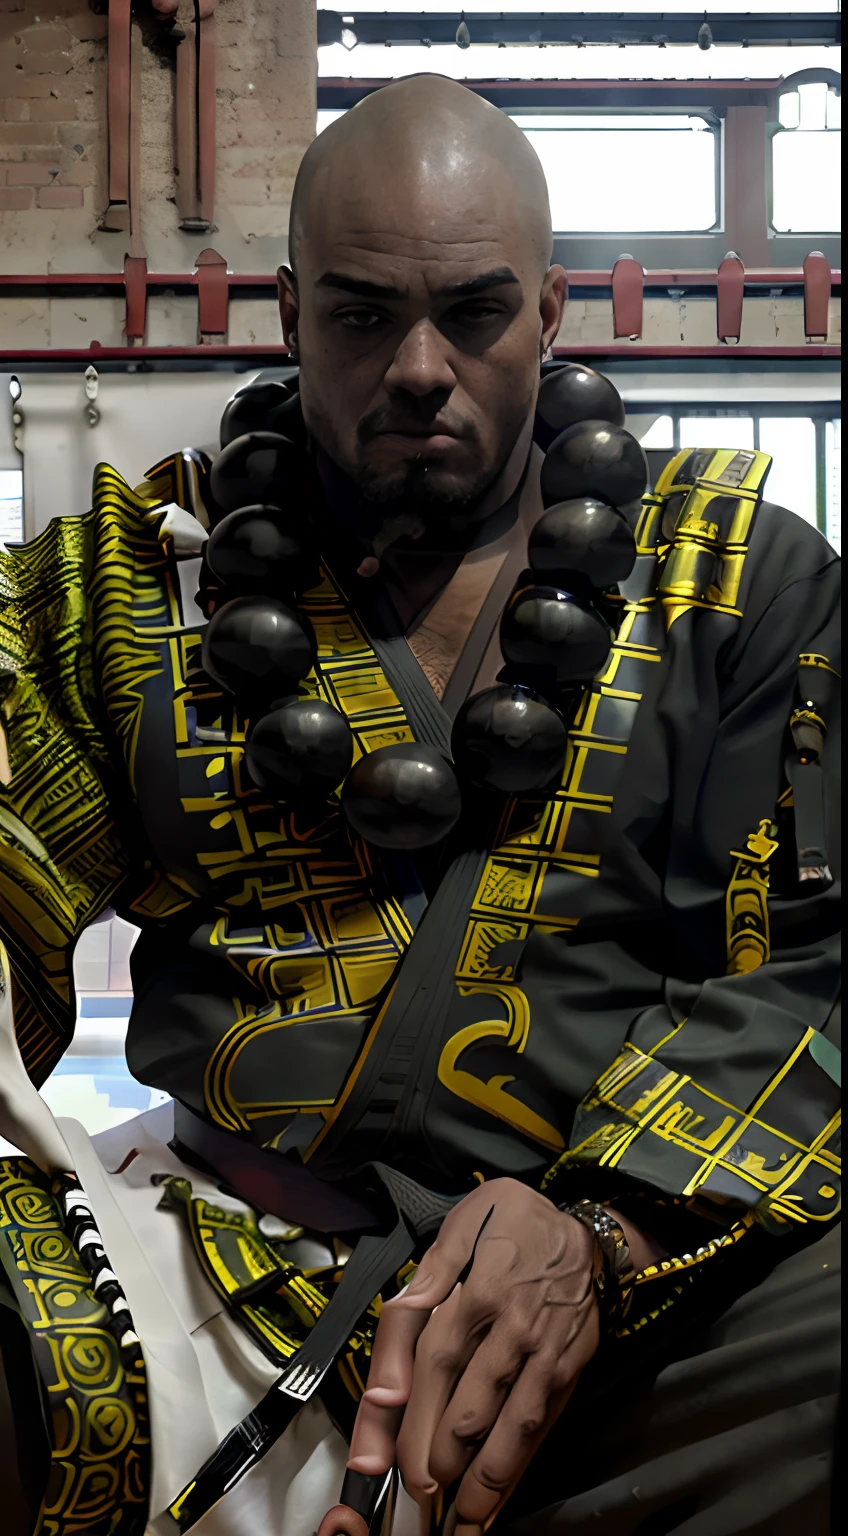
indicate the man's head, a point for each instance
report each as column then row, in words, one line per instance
column 420, row 297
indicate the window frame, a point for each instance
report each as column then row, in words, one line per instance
column 745, row 169
column 775, row 129
column 714, row 126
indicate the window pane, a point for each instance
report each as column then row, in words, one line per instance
column 371, row 61
column 11, row 506
column 716, row 432
column 791, row 440
column 805, row 174
column 326, row 115
column 789, row 110
column 597, row 175
column 813, row 98
column 660, row 433
column 595, row 168
column 833, row 483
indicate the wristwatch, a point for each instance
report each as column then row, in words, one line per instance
column 615, row 1276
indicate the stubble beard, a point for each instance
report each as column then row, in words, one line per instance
column 417, row 489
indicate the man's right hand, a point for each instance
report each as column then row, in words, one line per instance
column 477, row 1358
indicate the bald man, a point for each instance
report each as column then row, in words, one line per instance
column 560, row 1086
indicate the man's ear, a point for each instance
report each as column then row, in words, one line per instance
column 552, row 302
column 289, row 308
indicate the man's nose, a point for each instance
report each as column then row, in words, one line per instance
column 421, row 365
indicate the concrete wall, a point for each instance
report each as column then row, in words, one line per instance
column 53, row 147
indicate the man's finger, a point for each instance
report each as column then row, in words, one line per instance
column 442, row 1354
column 378, row 1419
column 533, row 1406
column 476, row 1403
column 401, row 1323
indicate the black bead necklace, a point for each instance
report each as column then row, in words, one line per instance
column 556, row 631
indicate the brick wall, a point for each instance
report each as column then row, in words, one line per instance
column 53, row 143
column 50, row 65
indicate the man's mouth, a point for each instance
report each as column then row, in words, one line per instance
column 431, row 439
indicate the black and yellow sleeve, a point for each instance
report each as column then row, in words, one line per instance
column 78, row 607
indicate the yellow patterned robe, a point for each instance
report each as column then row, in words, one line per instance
column 624, row 980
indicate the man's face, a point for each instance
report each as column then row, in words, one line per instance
column 420, row 312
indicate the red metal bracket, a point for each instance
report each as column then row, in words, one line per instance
column 185, row 130
column 135, row 287
column 818, row 280
column 206, row 117
column 628, row 287
column 730, row 293
column 242, row 356
column 213, row 294
column 196, row 109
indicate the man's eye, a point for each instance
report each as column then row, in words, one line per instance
column 474, row 314
column 361, row 319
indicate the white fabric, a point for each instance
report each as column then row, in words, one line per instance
column 204, row 1373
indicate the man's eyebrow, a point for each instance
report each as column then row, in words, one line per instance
column 494, row 279
column 361, row 288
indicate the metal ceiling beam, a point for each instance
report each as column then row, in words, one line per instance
column 759, row 30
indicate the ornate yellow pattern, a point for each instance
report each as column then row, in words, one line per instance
column 536, row 847
column 73, row 594
column 748, row 939
column 710, row 497
column 717, row 1143
column 95, row 648
column 272, row 1298
column 97, row 1414
column 356, row 928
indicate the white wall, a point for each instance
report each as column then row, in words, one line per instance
column 142, row 418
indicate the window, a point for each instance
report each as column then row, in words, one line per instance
column 660, row 433
column 11, row 506
column 806, row 156
column 791, row 441
column 716, row 432
column 327, row 115
column 92, row 1082
column 393, row 58
column 600, row 170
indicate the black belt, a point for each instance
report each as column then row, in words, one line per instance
column 271, row 1182
column 374, row 1260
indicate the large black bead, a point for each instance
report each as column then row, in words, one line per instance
column 257, row 407
column 552, row 633
column 403, row 796
column 258, row 468
column 571, row 394
column 594, row 459
column 302, row 750
column 258, row 549
column 257, row 647
column 585, row 537
column 509, row 740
